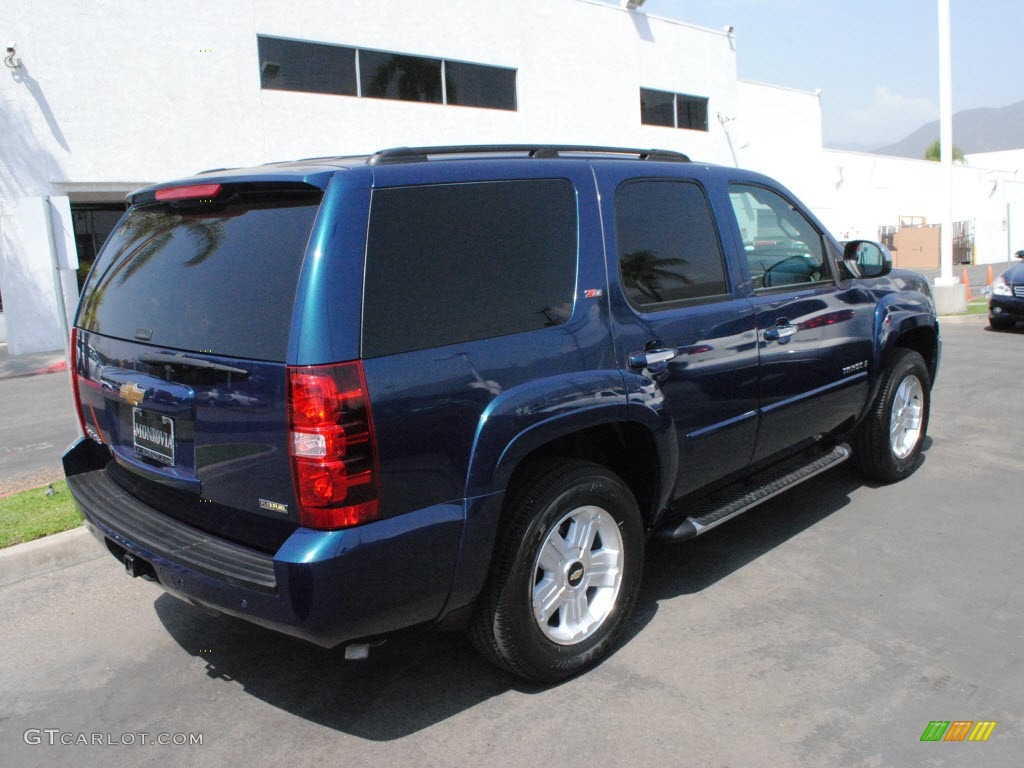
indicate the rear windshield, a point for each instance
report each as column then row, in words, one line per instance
column 204, row 277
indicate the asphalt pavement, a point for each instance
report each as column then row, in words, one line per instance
column 827, row 627
column 37, row 420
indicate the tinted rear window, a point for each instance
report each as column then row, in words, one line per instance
column 452, row 263
column 217, row 278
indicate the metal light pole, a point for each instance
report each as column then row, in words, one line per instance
column 946, row 145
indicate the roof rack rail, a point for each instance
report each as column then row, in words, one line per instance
column 543, row 151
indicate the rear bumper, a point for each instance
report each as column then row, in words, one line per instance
column 323, row 586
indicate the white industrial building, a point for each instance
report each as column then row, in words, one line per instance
column 99, row 98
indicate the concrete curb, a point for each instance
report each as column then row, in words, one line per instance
column 50, row 553
column 58, row 367
column 981, row 319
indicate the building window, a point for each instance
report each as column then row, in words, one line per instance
column 394, row 76
column 297, row 65
column 476, row 85
column 291, row 65
column 93, row 223
column 673, row 110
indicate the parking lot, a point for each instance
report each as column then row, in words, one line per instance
column 827, row 627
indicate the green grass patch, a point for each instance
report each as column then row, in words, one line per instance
column 978, row 306
column 32, row 514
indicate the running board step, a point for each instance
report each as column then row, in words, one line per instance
column 728, row 507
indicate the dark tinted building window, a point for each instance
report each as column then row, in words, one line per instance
column 395, row 76
column 691, row 112
column 668, row 246
column 474, row 85
column 296, row 65
column 657, row 108
column 293, row 65
column 218, row 278
column 456, row 262
column 93, row 223
column 673, row 110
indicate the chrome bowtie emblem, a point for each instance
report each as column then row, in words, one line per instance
column 132, row 393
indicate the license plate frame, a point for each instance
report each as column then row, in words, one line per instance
column 153, row 436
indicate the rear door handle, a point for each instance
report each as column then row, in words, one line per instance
column 780, row 330
column 650, row 357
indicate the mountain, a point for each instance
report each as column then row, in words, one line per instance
column 974, row 130
column 850, row 146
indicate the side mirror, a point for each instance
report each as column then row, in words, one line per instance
column 866, row 258
column 1020, row 254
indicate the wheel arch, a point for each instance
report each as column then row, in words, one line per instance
column 924, row 340
column 588, row 417
column 627, row 448
column 635, row 441
column 901, row 324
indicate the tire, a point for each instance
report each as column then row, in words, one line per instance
column 888, row 444
column 1001, row 323
column 565, row 574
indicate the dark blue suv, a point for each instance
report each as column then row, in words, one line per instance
column 464, row 386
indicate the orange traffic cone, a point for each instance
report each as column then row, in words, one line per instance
column 988, row 280
column 966, row 281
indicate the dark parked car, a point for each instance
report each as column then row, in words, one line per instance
column 1006, row 302
column 464, row 386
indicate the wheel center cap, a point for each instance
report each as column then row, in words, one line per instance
column 575, row 574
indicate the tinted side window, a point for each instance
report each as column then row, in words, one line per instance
column 782, row 246
column 456, row 262
column 667, row 242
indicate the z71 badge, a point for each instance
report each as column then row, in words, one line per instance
column 861, row 366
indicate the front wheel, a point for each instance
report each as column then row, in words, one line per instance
column 566, row 572
column 1001, row 323
column 888, row 445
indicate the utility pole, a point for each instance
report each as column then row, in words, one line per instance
column 946, row 144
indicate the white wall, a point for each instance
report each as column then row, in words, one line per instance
column 1005, row 212
column 580, row 66
column 114, row 94
column 31, row 309
column 778, row 132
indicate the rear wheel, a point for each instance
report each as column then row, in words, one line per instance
column 565, row 575
column 889, row 442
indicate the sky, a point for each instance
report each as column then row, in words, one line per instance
column 876, row 61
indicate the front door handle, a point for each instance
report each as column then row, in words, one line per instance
column 651, row 357
column 780, row 330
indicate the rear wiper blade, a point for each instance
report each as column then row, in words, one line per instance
column 166, row 358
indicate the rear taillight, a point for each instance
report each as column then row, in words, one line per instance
column 334, row 458
column 80, row 378
column 75, row 357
